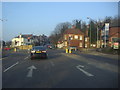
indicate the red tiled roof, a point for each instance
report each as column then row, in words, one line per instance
column 73, row 31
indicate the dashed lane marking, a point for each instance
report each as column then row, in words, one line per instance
column 10, row 67
column 26, row 57
column 52, row 63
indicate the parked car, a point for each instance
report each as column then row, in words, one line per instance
column 50, row 46
column 38, row 52
column 7, row 48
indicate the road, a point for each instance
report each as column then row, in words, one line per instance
column 60, row 70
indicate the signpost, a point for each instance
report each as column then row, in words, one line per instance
column 116, row 45
column 106, row 32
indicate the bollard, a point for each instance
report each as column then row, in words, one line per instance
column 70, row 51
column 15, row 50
column 66, row 50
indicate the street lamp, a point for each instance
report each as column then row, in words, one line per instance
column 90, row 30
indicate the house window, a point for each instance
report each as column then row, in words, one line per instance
column 80, row 44
column 80, row 37
column 70, row 37
column 21, row 43
column 85, row 39
column 76, row 36
column 65, row 43
column 65, row 37
column 15, row 42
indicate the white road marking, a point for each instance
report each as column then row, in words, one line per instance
column 80, row 66
column 96, row 54
column 26, row 57
column 85, row 72
column 10, row 67
column 52, row 63
column 30, row 73
column 3, row 58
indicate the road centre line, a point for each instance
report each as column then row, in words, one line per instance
column 26, row 57
column 10, row 67
column 52, row 63
column 85, row 72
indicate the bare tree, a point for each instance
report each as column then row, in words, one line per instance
column 59, row 32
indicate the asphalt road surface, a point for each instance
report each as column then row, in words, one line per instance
column 60, row 70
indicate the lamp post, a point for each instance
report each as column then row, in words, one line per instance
column 90, row 30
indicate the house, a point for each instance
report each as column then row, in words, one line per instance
column 87, row 40
column 20, row 40
column 75, row 38
column 60, row 43
column 114, row 35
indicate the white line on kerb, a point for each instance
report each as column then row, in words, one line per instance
column 3, row 58
column 85, row 72
column 10, row 67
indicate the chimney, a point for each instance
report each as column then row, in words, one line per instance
column 20, row 35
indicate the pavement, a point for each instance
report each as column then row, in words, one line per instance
column 60, row 70
column 96, row 53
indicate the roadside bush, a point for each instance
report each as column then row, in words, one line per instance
column 110, row 50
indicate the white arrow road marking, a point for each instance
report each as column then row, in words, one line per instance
column 85, row 72
column 31, row 71
column 10, row 67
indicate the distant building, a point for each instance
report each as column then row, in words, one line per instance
column 20, row 40
column 75, row 38
column 60, row 43
column 29, row 39
column 40, row 40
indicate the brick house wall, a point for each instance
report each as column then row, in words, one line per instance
column 74, row 38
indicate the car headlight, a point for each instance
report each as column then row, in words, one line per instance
column 32, row 51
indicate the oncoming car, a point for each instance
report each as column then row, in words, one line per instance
column 38, row 52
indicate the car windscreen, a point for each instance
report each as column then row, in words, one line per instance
column 39, row 48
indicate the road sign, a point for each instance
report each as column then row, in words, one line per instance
column 116, row 45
